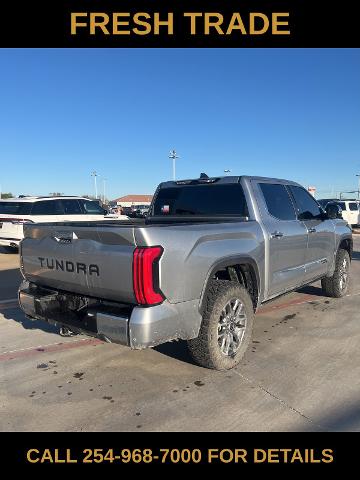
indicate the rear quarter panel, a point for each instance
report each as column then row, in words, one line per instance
column 190, row 252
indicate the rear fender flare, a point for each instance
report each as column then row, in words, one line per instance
column 344, row 242
column 227, row 262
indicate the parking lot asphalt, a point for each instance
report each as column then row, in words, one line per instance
column 301, row 373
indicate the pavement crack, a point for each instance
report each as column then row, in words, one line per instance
column 280, row 400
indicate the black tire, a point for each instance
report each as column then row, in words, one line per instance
column 337, row 285
column 205, row 349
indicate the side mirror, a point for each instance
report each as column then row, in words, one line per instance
column 333, row 211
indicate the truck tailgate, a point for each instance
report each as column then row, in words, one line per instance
column 86, row 259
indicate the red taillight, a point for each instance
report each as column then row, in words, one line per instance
column 146, row 275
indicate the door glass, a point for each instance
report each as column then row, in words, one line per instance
column 353, row 207
column 278, row 201
column 307, row 206
column 92, row 207
column 71, row 207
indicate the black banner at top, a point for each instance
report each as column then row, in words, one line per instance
column 175, row 23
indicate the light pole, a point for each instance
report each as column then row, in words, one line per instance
column 104, row 180
column 358, row 175
column 94, row 174
column 173, row 156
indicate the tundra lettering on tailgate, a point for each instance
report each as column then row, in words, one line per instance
column 69, row 266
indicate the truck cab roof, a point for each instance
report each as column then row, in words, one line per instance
column 230, row 179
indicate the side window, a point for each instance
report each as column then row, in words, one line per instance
column 353, row 207
column 278, row 201
column 308, row 208
column 92, row 207
column 47, row 207
column 71, row 207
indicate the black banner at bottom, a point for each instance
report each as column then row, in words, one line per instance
column 238, row 452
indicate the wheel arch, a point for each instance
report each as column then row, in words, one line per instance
column 247, row 274
column 346, row 244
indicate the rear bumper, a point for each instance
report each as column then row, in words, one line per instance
column 136, row 327
column 54, row 308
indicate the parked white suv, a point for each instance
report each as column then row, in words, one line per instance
column 15, row 212
column 350, row 209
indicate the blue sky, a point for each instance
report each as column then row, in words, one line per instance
column 286, row 113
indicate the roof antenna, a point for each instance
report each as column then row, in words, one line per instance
column 203, row 175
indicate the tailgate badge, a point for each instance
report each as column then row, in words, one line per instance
column 65, row 237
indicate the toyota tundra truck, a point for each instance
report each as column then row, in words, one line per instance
column 210, row 252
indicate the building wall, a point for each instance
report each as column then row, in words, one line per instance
column 130, row 204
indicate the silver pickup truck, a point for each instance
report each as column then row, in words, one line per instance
column 210, row 252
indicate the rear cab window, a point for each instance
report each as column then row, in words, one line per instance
column 201, row 200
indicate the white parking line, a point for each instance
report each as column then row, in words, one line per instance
column 43, row 346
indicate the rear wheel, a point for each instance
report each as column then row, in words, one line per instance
column 337, row 285
column 226, row 327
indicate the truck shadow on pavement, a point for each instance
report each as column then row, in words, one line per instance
column 10, row 280
column 177, row 350
column 344, row 418
column 310, row 290
column 356, row 256
column 16, row 315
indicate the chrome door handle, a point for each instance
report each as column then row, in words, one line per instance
column 312, row 230
column 277, row 235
